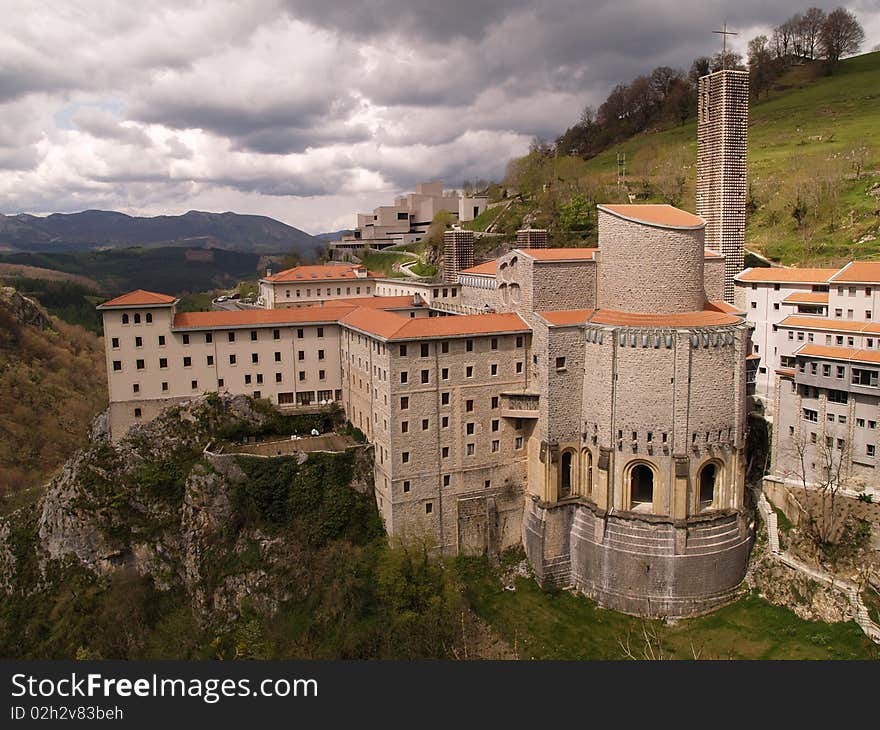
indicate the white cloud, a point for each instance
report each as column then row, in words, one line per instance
column 309, row 110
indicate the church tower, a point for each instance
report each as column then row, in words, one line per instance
column 722, row 134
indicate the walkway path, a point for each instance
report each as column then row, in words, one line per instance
column 849, row 589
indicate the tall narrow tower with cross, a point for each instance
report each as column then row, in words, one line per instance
column 722, row 137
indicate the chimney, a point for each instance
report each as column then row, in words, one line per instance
column 268, row 271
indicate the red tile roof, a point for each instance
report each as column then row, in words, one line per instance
column 719, row 305
column 257, row 317
column 560, row 254
column 326, row 272
column 840, row 353
column 395, row 327
column 867, row 272
column 567, row 317
column 710, row 254
column 708, row 317
column 780, row 275
column 807, row 297
column 833, row 325
column 785, row 372
column 665, row 216
column 486, row 269
column 402, row 301
column 139, row 298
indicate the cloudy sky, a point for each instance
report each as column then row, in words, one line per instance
column 308, row 110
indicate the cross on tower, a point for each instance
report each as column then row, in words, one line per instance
column 724, row 33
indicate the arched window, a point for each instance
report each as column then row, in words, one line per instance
column 641, row 485
column 708, row 482
column 587, row 474
column 565, row 475
column 137, row 318
column 124, row 319
column 149, row 318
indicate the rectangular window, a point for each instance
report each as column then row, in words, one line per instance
column 444, row 374
column 185, row 339
column 210, row 360
column 320, row 331
column 841, row 371
column 300, row 333
column 320, row 354
column 424, row 350
column 403, row 350
column 187, row 362
column 444, row 347
column 165, row 386
column 869, row 449
column 494, row 401
column 519, row 340
column 231, row 336
column 404, row 403
column 838, row 396
column 444, row 422
column 117, row 365
column 138, row 341
column 496, row 446
column 277, row 357
column 826, row 370
column 429, row 508
column 406, row 485
column 493, row 343
column 471, row 449
column 425, row 376
column 277, row 377
column 444, row 399
column 469, row 429
column 469, row 371
column 255, row 358
column 322, row 375
column 469, row 406
column 560, row 363
column 404, row 376
column 276, row 334
column 404, row 426
column 302, row 375
column 864, row 377
column 232, row 359
column 469, row 345
column 404, row 457
column 195, row 384
column 425, row 424
column 493, row 369
column 518, row 443
column 139, row 364
column 444, row 452
column 811, row 415
column 496, row 424
column 137, row 413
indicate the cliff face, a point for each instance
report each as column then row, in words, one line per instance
column 219, row 527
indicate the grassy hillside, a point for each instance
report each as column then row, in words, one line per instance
column 805, row 139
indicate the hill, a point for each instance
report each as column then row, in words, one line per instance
column 97, row 229
column 52, row 383
column 814, row 183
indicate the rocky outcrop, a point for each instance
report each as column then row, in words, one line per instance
column 154, row 505
column 23, row 310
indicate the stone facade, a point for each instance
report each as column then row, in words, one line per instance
column 458, row 253
column 598, row 417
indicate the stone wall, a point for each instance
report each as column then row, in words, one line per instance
column 649, row 269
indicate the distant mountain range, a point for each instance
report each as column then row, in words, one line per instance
column 103, row 229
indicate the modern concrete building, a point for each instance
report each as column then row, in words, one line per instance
column 596, row 414
column 407, row 220
column 722, row 136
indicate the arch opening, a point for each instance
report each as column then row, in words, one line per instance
column 565, row 477
column 641, row 486
column 708, row 483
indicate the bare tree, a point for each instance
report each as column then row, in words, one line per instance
column 820, row 468
column 858, row 157
column 841, row 35
column 760, row 64
column 809, row 30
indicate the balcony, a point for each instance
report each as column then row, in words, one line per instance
column 519, row 404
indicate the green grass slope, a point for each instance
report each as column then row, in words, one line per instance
column 804, row 140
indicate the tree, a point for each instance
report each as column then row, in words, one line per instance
column 858, row 157
column 726, row 59
column 841, row 35
column 699, row 68
column 809, row 30
column 663, row 80
column 760, row 64
column 575, row 214
column 823, row 478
